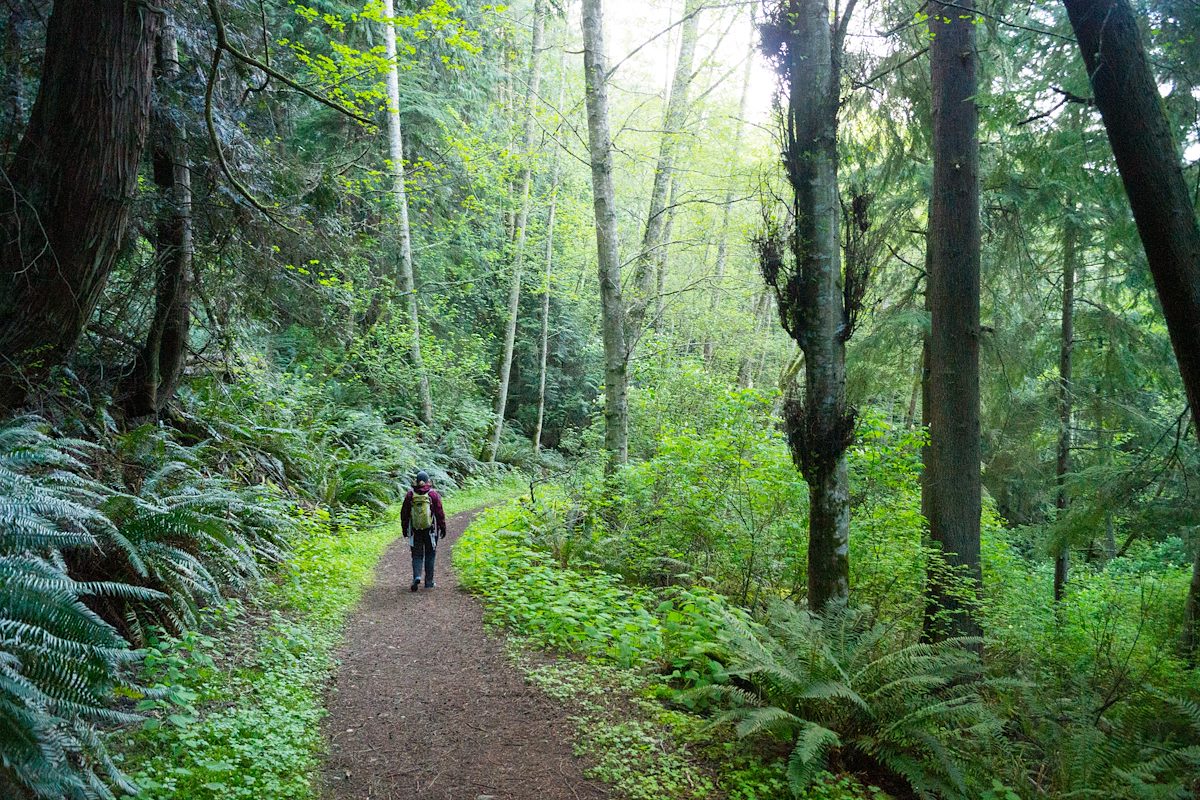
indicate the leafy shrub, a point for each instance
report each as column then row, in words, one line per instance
column 721, row 502
column 350, row 483
column 565, row 609
column 102, row 542
column 188, row 535
column 847, row 697
column 46, row 500
column 581, row 609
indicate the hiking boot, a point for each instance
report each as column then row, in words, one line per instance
column 416, row 582
column 431, row 585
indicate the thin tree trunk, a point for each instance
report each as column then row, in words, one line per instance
column 820, row 428
column 925, row 388
column 752, row 362
column 914, row 397
column 723, row 243
column 1148, row 160
column 612, row 307
column 1191, row 613
column 64, row 208
column 549, row 278
column 405, row 278
column 514, row 292
column 1065, row 390
column 662, row 256
column 673, row 123
column 156, row 370
column 952, row 469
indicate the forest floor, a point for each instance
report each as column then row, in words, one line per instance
column 427, row 705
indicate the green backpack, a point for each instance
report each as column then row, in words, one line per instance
column 422, row 514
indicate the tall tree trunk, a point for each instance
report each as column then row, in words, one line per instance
column 673, row 122
column 810, row 296
column 65, row 207
column 1191, row 613
column 952, row 469
column 718, row 289
column 926, row 394
column 661, row 256
column 405, row 278
column 612, row 307
column 1065, row 390
column 514, row 292
column 1148, row 159
column 549, row 274
column 548, row 278
column 156, row 370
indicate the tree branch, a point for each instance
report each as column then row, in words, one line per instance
column 223, row 43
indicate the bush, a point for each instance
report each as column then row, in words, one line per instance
column 565, row 609
column 849, row 698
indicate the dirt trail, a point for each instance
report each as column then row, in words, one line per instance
column 425, row 704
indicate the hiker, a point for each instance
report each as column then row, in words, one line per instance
column 424, row 522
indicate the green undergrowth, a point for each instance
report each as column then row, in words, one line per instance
column 236, row 709
column 478, row 494
column 613, row 655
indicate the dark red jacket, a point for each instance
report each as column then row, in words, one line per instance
column 435, row 505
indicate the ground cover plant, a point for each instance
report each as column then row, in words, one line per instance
column 621, row 653
column 274, row 655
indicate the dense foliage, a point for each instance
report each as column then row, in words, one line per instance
column 1089, row 696
column 213, row 372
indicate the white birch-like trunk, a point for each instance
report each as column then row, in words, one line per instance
column 405, row 281
column 673, row 123
column 549, row 277
column 661, row 257
column 723, row 242
column 514, row 292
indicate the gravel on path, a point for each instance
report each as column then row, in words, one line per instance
column 426, row 705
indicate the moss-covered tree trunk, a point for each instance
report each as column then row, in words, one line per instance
column 810, row 290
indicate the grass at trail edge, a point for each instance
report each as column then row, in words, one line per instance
column 238, row 706
column 607, row 652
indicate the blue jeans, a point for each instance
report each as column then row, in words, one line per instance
column 423, row 555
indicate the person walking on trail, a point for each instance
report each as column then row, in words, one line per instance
column 424, row 522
